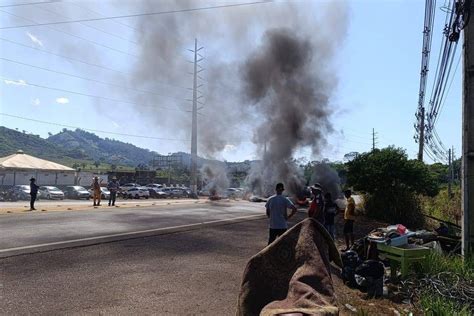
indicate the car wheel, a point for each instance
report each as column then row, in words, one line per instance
column 137, row 196
column 146, row 197
column 48, row 197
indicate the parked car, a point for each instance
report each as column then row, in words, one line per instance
column 105, row 193
column 204, row 192
column 76, row 192
column 157, row 193
column 233, row 193
column 21, row 192
column 138, row 192
column 50, row 193
column 127, row 186
column 154, row 186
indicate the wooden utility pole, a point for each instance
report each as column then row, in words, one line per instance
column 468, row 139
column 373, row 139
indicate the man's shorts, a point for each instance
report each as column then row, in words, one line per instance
column 348, row 226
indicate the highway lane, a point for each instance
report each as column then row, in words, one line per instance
column 27, row 229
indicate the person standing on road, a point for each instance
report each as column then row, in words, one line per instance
column 276, row 207
column 33, row 193
column 316, row 207
column 349, row 218
column 96, row 192
column 330, row 211
column 113, row 187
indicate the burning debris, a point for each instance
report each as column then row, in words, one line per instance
column 328, row 178
column 215, row 178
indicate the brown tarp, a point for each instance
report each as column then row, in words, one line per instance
column 292, row 275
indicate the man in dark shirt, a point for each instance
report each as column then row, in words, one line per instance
column 330, row 211
column 33, row 193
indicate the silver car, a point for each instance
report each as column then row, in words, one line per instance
column 51, row 193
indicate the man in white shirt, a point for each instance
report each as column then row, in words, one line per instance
column 277, row 206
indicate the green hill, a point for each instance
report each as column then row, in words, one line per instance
column 11, row 141
column 84, row 144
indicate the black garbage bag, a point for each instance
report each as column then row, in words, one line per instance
column 350, row 261
column 369, row 277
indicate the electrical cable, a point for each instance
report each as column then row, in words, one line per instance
column 91, row 130
column 27, row 3
column 140, row 14
column 89, row 79
column 74, row 35
column 86, row 94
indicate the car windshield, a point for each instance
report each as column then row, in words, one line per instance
column 79, row 188
column 23, row 187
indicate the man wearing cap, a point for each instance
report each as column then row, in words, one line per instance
column 33, row 193
column 316, row 207
column 96, row 192
column 113, row 187
column 277, row 206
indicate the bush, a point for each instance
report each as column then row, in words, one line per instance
column 397, row 207
column 392, row 183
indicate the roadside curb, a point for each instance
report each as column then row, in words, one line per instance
column 10, row 252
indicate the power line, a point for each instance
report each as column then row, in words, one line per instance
column 89, row 79
column 139, row 14
column 99, row 14
column 87, row 95
column 92, row 27
column 90, row 130
column 81, row 61
column 74, row 35
column 27, row 3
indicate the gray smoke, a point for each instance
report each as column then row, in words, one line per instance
column 229, row 37
column 328, row 178
column 214, row 176
column 285, row 80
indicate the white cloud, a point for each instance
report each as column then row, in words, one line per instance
column 34, row 39
column 115, row 124
column 19, row 82
column 62, row 100
column 36, row 102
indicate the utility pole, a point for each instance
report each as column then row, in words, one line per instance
column 194, row 119
column 468, row 138
column 373, row 138
column 421, row 139
column 450, row 168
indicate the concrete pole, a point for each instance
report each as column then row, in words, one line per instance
column 468, row 139
column 450, row 167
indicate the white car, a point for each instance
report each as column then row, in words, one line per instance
column 50, row 193
column 138, row 192
column 127, row 186
column 104, row 193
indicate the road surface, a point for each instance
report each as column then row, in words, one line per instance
column 37, row 228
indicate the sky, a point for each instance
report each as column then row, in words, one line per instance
column 376, row 63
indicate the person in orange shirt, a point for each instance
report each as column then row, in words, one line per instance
column 349, row 217
column 96, row 191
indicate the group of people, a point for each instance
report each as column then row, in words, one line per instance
column 322, row 208
column 112, row 186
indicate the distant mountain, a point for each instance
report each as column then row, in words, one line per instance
column 11, row 141
column 86, row 144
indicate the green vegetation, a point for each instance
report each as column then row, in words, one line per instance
column 440, row 306
column 392, row 184
column 443, row 206
column 451, row 273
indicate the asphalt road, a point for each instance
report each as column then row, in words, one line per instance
column 187, row 273
column 27, row 229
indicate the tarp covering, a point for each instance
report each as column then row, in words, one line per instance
column 21, row 161
column 292, row 275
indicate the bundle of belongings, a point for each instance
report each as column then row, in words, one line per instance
column 394, row 235
column 363, row 273
column 292, row 275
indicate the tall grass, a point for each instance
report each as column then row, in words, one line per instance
column 437, row 263
column 440, row 306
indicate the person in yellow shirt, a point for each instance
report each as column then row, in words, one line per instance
column 349, row 217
